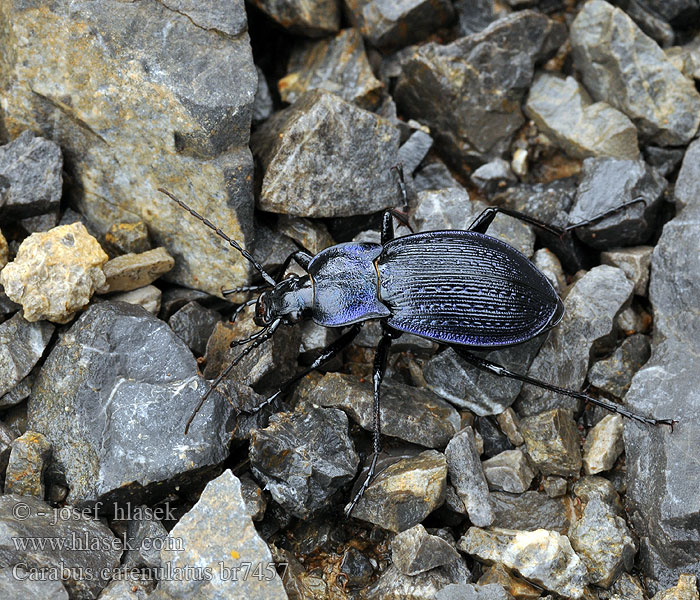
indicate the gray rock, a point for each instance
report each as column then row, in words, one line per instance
column 508, row 471
column 356, row 567
column 312, row 235
column 552, row 442
column 6, row 438
column 608, row 183
column 532, row 510
column 547, row 262
column 29, row 458
column 120, row 374
column 664, row 160
column 414, row 150
column 475, row 15
column 688, row 180
column 17, row 583
column 315, row 180
column 303, row 458
column 494, row 175
column 415, row 551
column 55, row 273
column 390, row 24
column 434, row 176
column 554, row 487
column 510, row 425
column 31, row 169
column 466, row 591
column 145, row 537
column 614, row 374
column 563, row 110
column 604, row 542
column 591, row 307
column 394, row 585
column 467, row 477
column 128, row 587
column 650, row 23
column 313, row 18
column 672, row 10
column 543, row 557
column 194, row 324
column 253, row 497
column 184, row 72
column 338, row 64
column 627, row 587
column 595, row 486
column 408, row 413
column 622, row 66
column 82, row 545
column 469, row 92
column 687, row 589
column 218, row 535
column 148, row 297
column 22, row 344
column 404, row 493
column 489, row 437
column 126, row 238
column 635, row 262
column 466, row 386
column 263, row 105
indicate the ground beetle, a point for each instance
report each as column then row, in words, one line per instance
column 464, row 289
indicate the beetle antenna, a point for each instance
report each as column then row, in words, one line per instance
column 265, row 335
column 221, row 234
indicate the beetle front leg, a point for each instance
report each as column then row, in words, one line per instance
column 378, row 375
column 501, row 371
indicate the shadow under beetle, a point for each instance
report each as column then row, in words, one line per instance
column 464, row 289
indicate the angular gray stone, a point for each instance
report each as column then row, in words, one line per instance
column 217, row 536
column 554, row 487
column 263, row 105
column 563, row 110
column 17, row 583
column 467, row 477
column 405, row 492
column 314, row 18
column 548, row 262
column 508, row 471
column 145, row 537
column 147, row 297
column 552, row 442
column 338, row 64
column 343, row 168
column 408, row 413
column 64, row 544
column 591, row 307
column 635, row 262
column 415, row 551
column 532, row 510
column 469, row 92
column 614, row 374
column 22, row 344
column 132, row 271
column 303, row 458
column 603, row 445
column 510, row 425
column 467, row 591
column 390, row 24
column 608, row 183
column 622, row 66
column 604, row 542
column 394, row 585
column 183, row 71
column 121, row 375
column 595, row 486
column 494, row 175
column 126, row 238
column 543, row 557
column 414, row 150
column 31, row 169
column 193, row 324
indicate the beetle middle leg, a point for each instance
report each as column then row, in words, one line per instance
column 501, row 371
column 380, row 358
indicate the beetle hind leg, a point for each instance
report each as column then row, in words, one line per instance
column 501, row 371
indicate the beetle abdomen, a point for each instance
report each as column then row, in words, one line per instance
column 463, row 287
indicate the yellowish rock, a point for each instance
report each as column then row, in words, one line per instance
column 4, row 251
column 55, row 273
column 132, row 271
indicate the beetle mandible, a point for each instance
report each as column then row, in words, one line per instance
column 464, row 289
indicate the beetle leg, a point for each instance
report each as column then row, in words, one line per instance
column 497, row 369
column 485, row 218
column 377, row 376
column 301, row 257
column 326, row 354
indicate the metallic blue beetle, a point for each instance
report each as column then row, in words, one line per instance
column 464, row 289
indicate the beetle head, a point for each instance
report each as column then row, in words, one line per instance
column 290, row 299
